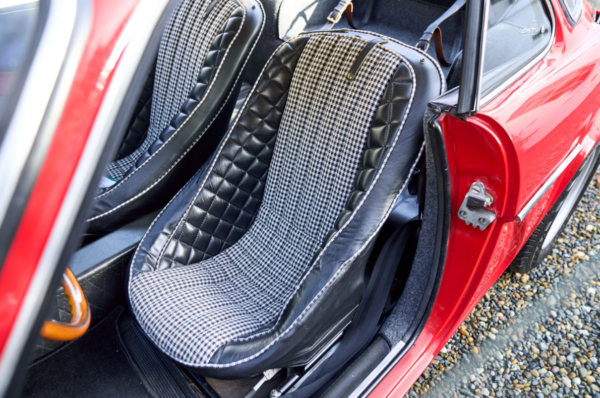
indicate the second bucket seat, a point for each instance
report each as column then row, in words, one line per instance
column 184, row 111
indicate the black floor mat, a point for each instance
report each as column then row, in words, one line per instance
column 93, row 366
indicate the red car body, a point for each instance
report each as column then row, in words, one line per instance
column 512, row 144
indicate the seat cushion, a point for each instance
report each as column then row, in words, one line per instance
column 225, row 276
column 202, row 52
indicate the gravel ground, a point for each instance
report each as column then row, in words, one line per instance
column 532, row 335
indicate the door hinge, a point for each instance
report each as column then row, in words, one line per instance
column 471, row 211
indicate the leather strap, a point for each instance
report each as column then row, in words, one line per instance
column 434, row 31
column 365, row 322
column 363, row 54
column 346, row 5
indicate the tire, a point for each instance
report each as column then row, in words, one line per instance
column 542, row 240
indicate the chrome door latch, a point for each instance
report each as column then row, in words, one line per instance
column 471, row 211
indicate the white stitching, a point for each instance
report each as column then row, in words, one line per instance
column 321, row 292
column 178, row 193
column 342, row 267
column 437, row 65
column 376, row 178
column 219, row 152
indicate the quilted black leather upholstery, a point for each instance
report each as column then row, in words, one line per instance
column 213, row 60
column 207, row 217
column 192, row 134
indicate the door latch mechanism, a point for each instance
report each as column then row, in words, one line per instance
column 471, row 211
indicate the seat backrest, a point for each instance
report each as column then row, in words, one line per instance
column 316, row 158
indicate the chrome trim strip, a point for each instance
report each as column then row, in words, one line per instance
column 326, row 347
column 379, row 372
column 493, row 93
column 565, row 163
column 39, row 108
column 32, row 105
column 484, row 29
column 134, row 40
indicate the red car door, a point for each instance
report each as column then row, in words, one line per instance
column 523, row 132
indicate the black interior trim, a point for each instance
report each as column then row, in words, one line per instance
column 436, row 155
column 472, row 65
column 110, row 248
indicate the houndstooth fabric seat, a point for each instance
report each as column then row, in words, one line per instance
column 259, row 260
column 183, row 110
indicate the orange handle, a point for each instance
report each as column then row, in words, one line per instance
column 80, row 313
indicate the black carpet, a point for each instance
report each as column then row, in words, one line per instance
column 94, row 365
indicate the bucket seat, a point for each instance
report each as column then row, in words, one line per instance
column 259, row 261
column 184, row 108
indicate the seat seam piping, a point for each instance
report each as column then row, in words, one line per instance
column 319, row 295
column 212, row 166
column 208, row 171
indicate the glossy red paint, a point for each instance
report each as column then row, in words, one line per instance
column 512, row 146
column 94, row 72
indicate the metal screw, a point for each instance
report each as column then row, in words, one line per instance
column 476, row 188
column 350, row 76
column 462, row 213
column 422, row 60
column 483, row 221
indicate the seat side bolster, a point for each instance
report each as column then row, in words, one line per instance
column 154, row 241
column 239, row 171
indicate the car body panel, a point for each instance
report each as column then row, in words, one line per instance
column 513, row 145
column 94, row 72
